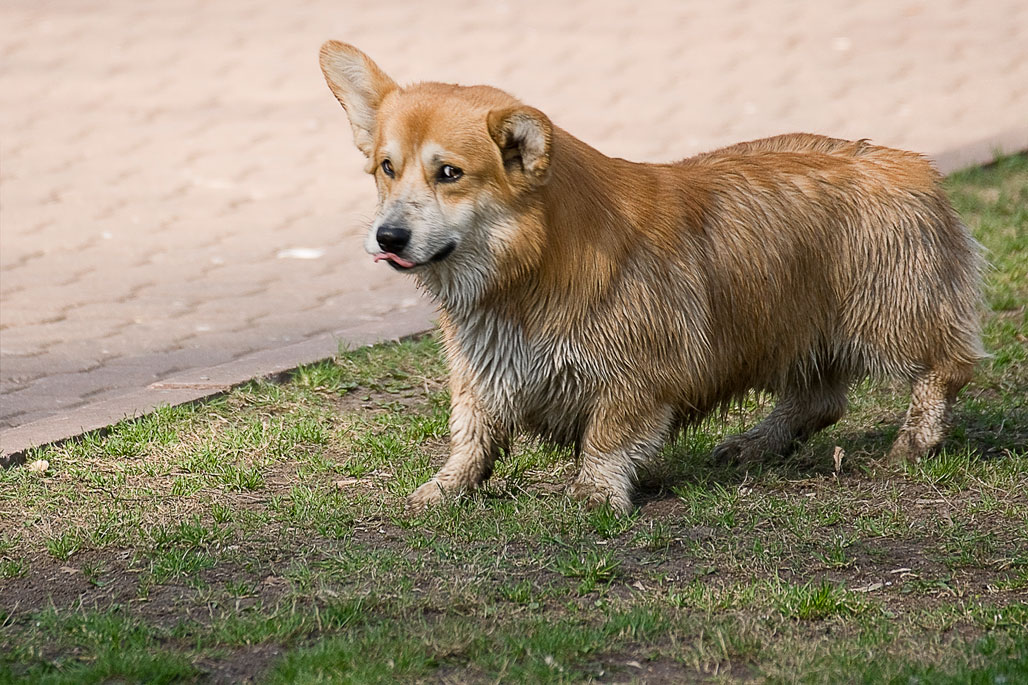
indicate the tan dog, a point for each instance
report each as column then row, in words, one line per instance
column 605, row 304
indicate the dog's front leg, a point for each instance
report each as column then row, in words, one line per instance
column 475, row 443
column 616, row 442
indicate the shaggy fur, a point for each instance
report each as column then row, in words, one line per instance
column 604, row 304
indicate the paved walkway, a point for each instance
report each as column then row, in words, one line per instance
column 179, row 191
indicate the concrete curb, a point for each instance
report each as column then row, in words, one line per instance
column 199, row 384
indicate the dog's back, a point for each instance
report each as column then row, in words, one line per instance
column 832, row 254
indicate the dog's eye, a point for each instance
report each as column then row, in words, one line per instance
column 387, row 168
column 449, row 173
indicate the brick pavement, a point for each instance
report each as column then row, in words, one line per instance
column 159, row 160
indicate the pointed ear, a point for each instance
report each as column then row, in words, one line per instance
column 359, row 85
column 524, row 136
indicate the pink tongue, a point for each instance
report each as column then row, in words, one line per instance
column 399, row 261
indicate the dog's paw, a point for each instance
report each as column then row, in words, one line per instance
column 595, row 498
column 428, row 495
column 740, row 449
column 905, row 450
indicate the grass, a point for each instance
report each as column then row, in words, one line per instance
column 262, row 536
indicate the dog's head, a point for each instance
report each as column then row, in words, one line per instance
column 456, row 167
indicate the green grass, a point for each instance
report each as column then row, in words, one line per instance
column 262, row 535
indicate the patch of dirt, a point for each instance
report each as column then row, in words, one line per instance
column 244, row 665
column 373, row 401
column 64, row 584
column 627, row 667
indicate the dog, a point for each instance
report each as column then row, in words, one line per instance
column 605, row 304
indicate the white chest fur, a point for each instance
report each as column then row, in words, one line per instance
column 534, row 384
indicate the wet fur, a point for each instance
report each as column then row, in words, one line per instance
column 604, row 304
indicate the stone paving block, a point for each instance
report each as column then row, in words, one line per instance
column 23, row 315
column 57, row 392
column 29, row 271
column 18, row 372
column 26, row 340
column 155, row 366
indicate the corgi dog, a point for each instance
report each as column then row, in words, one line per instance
column 605, row 304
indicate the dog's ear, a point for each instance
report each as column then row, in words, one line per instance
column 359, row 85
column 524, row 136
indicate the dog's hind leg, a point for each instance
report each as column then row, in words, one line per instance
column 801, row 411
column 615, row 444
column 931, row 404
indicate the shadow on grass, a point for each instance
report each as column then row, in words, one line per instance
column 983, row 433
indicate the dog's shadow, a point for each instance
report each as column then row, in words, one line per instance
column 687, row 461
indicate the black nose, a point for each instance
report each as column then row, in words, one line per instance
column 392, row 238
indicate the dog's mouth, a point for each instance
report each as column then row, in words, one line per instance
column 401, row 264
